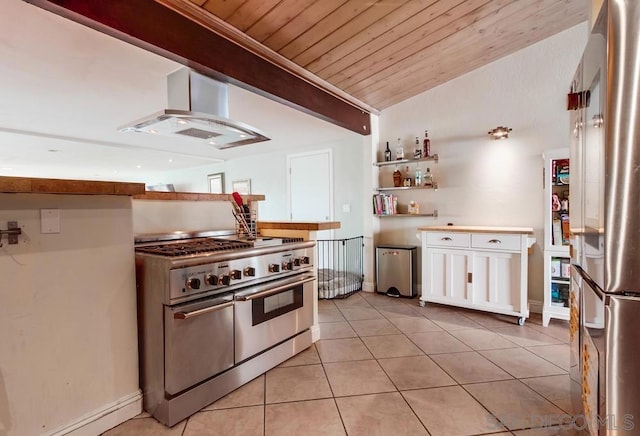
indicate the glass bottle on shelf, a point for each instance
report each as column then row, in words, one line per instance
column 408, row 180
column 426, row 151
column 418, row 177
column 417, row 151
column 399, row 151
column 428, row 178
column 397, row 178
column 387, row 153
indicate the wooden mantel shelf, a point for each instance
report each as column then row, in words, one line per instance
column 192, row 196
column 28, row 185
column 298, row 225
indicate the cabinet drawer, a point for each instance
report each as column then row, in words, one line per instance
column 448, row 239
column 496, row 241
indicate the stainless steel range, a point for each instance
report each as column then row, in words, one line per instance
column 215, row 312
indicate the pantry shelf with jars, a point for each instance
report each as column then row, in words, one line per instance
column 557, row 259
column 408, row 175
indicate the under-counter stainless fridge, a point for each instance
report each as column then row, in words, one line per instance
column 605, row 222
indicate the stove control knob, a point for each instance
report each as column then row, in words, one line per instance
column 304, row 260
column 193, row 283
column 224, row 280
column 249, row 271
column 211, row 279
column 236, row 274
column 296, row 262
column 274, row 267
column 287, row 266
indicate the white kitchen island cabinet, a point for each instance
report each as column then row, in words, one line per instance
column 483, row 268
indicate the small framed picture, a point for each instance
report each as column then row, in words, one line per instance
column 242, row 186
column 216, row 183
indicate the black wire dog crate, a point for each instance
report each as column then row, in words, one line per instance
column 340, row 270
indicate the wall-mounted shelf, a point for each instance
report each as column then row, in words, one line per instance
column 433, row 158
column 409, row 215
column 403, row 188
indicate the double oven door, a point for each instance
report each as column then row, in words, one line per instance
column 270, row 313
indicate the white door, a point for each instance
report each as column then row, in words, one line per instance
column 310, row 186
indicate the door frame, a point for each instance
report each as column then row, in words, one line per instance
column 290, row 157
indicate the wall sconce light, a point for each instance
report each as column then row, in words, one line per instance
column 500, row 132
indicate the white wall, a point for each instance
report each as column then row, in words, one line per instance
column 268, row 176
column 68, row 335
column 482, row 181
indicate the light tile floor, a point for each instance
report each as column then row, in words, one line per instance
column 386, row 366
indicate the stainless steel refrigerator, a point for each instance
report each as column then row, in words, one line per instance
column 605, row 223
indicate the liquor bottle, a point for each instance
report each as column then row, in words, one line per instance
column 408, row 180
column 397, row 178
column 417, row 152
column 428, row 178
column 387, row 153
column 426, row 145
column 418, row 178
column 399, row 151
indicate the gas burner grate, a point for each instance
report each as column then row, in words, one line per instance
column 198, row 246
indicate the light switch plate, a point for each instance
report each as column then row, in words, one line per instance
column 49, row 220
column 346, row 208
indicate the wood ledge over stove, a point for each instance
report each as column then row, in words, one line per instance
column 477, row 229
column 299, row 225
column 193, row 196
column 29, row 185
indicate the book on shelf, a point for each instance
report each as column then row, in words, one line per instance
column 556, row 232
column 566, row 233
column 385, row 204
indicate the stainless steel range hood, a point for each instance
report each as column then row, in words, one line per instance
column 198, row 110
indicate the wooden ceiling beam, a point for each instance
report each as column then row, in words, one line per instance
column 157, row 28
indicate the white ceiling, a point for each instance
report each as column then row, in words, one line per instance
column 65, row 90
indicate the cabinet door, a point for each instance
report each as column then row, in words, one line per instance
column 447, row 275
column 496, row 280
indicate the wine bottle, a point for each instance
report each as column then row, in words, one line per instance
column 387, row 153
column 426, row 145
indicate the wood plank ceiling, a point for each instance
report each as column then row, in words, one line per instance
column 382, row 52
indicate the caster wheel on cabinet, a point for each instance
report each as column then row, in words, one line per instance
column 521, row 320
column 422, row 303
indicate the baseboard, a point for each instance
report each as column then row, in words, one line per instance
column 368, row 287
column 106, row 417
column 535, row 306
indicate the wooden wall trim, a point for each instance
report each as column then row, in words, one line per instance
column 161, row 30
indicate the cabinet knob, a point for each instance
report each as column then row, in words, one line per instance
column 445, row 238
column 495, row 241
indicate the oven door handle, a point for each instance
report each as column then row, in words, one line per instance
column 273, row 290
column 187, row 315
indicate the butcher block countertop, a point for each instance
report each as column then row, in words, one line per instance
column 28, row 185
column 476, row 229
column 299, row 225
column 191, row 196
